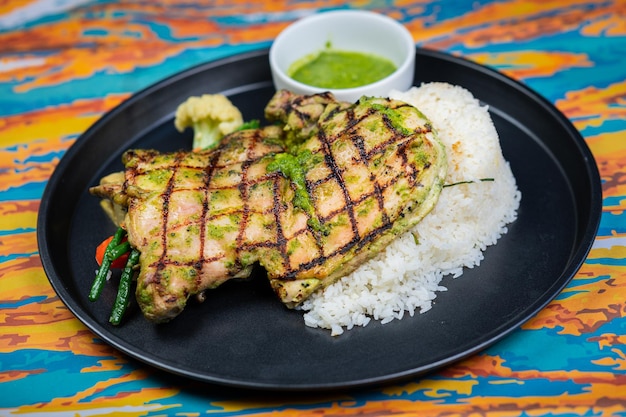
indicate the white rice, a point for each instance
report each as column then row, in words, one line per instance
column 406, row 276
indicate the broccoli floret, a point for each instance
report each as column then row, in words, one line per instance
column 212, row 116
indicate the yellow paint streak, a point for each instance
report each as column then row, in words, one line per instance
column 615, row 252
column 524, row 64
column 18, row 215
column 51, row 124
column 136, row 402
column 591, row 106
column 508, row 22
column 8, row 6
column 21, row 327
column 434, row 388
column 610, row 156
column 29, row 138
column 613, row 25
column 591, row 303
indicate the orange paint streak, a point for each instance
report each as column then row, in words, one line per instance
column 508, row 22
column 588, row 307
column 20, row 327
column 18, row 243
column 609, row 340
column 618, row 364
column 10, row 376
column 18, row 215
column 452, row 382
column 8, row 6
column 128, row 45
column 612, row 25
column 25, row 128
column 610, row 157
column 592, row 106
column 526, row 64
column 139, row 400
column 439, row 390
column 28, row 138
column 606, row 385
column 256, row 33
column 38, row 173
column 80, row 50
column 590, row 303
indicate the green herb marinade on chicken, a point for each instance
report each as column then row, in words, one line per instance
column 325, row 187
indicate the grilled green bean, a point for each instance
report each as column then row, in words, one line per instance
column 119, row 250
column 101, row 275
column 123, row 291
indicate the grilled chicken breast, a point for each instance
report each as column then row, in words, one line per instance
column 309, row 198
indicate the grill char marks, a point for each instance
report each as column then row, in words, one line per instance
column 206, row 180
column 191, row 214
column 372, row 170
column 381, row 172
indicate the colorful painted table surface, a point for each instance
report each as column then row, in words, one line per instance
column 64, row 63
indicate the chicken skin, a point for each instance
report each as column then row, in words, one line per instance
column 309, row 198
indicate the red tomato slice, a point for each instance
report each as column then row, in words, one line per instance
column 119, row 262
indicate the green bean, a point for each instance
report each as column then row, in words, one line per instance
column 123, row 291
column 101, row 275
column 119, row 250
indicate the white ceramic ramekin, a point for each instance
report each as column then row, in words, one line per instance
column 348, row 30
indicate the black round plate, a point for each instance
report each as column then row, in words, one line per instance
column 242, row 336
